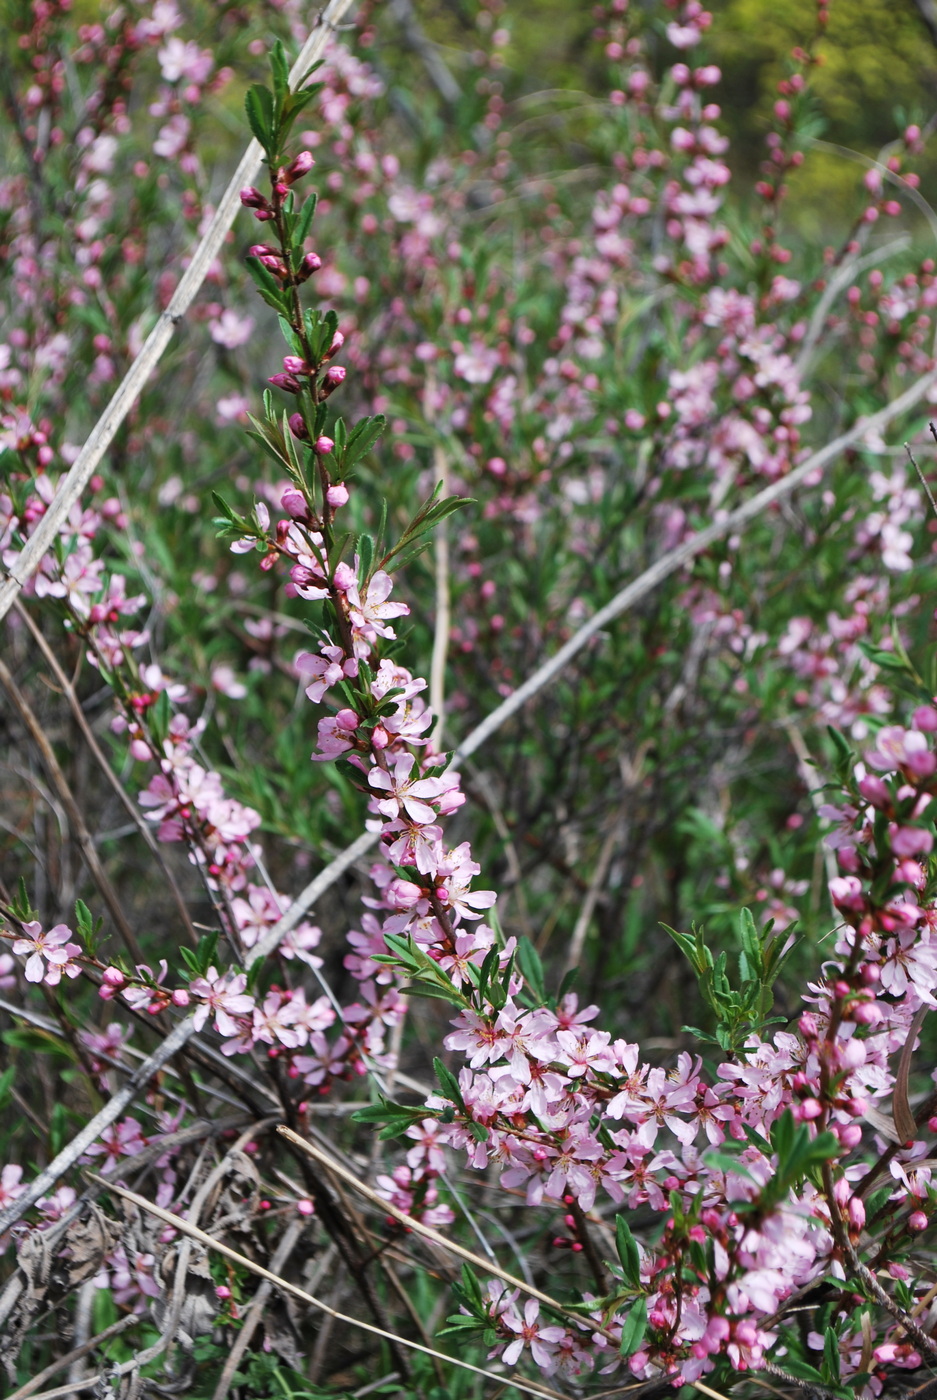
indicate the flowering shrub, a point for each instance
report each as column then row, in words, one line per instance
column 514, row 403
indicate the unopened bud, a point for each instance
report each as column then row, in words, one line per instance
column 302, row 165
column 324, row 445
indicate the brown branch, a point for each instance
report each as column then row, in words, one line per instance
column 126, row 800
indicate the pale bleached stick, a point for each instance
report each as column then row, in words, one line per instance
column 419, row 1228
column 184, row 1228
column 45, row 1181
column 131, row 386
column 646, row 583
column 665, row 566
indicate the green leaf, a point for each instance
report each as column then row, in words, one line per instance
column 304, row 222
column 280, row 69
column 267, row 285
column 528, row 960
column 830, row 1367
column 633, row 1327
column 628, row 1253
column 448, row 1083
column 6, row 1086
column 258, row 105
column 364, row 548
column 361, row 439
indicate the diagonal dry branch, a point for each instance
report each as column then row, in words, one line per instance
column 82, row 469
column 419, row 1227
column 183, row 1226
column 665, row 566
column 639, row 588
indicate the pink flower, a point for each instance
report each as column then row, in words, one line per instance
column 231, row 329
column 541, row 1340
column 11, row 1185
column 54, row 946
column 224, row 995
column 405, row 792
column 371, row 613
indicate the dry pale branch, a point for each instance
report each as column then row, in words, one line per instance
column 131, row 387
column 668, row 564
column 254, row 1315
column 70, row 1155
column 183, row 1226
column 121, row 1325
column 419, row 1228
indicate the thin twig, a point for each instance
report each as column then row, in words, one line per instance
column 103, row 432
column 126, row 800
column 76, row 821
column 419, row 1228
column 183, row 1226
column 639, row 588
column 115, row 1329
column 255, row 1311
column 843, row 277
column 921, row 477
column 437, row 673
column 615, row 832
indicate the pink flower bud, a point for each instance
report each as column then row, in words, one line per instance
column 323, row 445
column 251, row 198
column 809, row 1110
column 298, row 167
column 285, row 381
column 875, row 790
column 925, row 719
column 222, row 1292
column 337, row 495
column 310, row 264
column 379, row 737
column 294, row 364
column 917, row 1220
column 180, row 997
column 305, row 1207
column 294, row 503
column 347, row 719
column 338, row 340
column 335, row 375
column 113, row 977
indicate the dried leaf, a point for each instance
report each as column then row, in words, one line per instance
column 89, row 1242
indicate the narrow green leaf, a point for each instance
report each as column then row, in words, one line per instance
column 634, row 1328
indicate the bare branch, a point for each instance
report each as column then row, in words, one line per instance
column 526, row 1387
column 419, row 1228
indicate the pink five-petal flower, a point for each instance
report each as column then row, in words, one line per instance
column 222, row 995
column 54, row 946
column 541, row 1340
column 402, row 792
